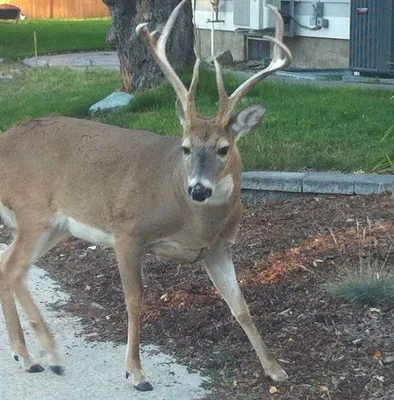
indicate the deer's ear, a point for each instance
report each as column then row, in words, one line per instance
column 180, row 112
column 246, row 120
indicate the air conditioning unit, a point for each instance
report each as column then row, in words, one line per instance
column 252, row 14
column 372, row 36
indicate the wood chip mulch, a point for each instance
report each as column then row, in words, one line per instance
column 286, row 250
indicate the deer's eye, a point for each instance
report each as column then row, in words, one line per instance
column 186, row 150
column 223, row 151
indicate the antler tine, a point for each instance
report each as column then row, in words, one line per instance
column 193, row 87
column 223, row 96
column 277, row 62
column 157, row 46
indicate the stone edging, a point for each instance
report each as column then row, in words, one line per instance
column 304, row 183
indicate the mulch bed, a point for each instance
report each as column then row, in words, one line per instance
column 285, row 252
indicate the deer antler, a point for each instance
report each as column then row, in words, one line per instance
column 281, row 59
column 156, row 44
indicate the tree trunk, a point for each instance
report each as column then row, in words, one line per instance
column 138, row 68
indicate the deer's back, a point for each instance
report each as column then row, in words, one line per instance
column 65, row 161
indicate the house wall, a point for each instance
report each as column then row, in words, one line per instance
column 62, row 8
column 323, row 48
column 223, row 40
column 336, row 11
column 307, row 52
column 311, row 52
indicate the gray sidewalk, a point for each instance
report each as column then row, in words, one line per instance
column 103, row 59
column 93, row 370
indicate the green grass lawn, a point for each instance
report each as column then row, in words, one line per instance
column 40, row 92
column 53, row 36
column 306, row 127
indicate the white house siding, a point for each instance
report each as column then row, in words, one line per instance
column 323, row 48
column 337, row 13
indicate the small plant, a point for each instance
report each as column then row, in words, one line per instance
column 366, row 287
column 371, row 282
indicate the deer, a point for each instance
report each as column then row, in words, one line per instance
column 135, row 191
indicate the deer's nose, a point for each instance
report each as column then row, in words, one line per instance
column 199, row 192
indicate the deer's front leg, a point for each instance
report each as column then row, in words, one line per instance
column 220, row 268
column 129, row 260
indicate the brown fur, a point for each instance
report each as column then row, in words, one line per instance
column 128, row 189
column 129, row 184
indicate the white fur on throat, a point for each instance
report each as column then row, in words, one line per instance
column 222, row 191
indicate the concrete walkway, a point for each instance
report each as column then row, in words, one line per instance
column 93, row 371
column 104, row 59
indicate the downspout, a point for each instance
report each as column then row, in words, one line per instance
column 213, row 20
column 212, row 31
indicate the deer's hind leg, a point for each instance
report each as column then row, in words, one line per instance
column 13, row 325
column 31, row 241
column 10, row 312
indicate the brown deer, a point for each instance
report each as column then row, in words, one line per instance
column 135, row 191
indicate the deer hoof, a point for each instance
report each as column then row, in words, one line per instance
column 144, row 386
column 57, row 369
column 35, row 368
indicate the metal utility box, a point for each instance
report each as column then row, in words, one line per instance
column 372, row 36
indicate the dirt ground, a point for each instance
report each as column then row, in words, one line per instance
column 284, row 254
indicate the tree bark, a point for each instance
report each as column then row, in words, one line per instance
column 138, row 68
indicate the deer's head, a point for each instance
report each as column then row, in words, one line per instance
column 209, row 144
